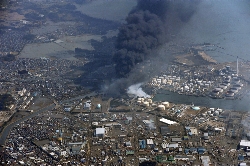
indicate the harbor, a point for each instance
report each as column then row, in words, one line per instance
column 208, row 83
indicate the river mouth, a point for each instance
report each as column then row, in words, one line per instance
column 226, row 104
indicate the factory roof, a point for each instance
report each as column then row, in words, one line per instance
column 100, row 131
column 167, row 121
column 150, row 142
column 196, row 108
column 245, row 143
column 146, row 122
column 173, row 145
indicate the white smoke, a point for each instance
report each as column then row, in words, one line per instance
column 245, row 122
column 136, row 90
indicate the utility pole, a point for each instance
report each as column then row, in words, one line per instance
column 237, row 67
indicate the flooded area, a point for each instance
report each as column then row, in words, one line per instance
column 50, row 27
column 115, row 10
column 62, row 48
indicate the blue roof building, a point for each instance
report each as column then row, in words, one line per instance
column 142, row 144
column 241, row 158
column 186, row 150
column 201, row 150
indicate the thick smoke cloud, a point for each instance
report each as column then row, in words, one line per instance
column 143, row 32
column 148, row 26
column 140, row 48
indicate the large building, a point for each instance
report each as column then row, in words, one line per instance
column 100, row 132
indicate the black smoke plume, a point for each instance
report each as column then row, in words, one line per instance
column 147, row 27
column 142, row 33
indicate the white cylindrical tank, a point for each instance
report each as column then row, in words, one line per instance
column 150, row 101
column 198, row 82
column 161, row 107
column 211, row 109
column 146, row 103
column 207, row 85
column 164, row 81
column 218, row 89
column 216, row 113
column 162, row 78
column 220, row 110
column 186, row 87
column 158, row 80
column 142, row 99
column 165, row 103
column 154, row 82
column 138, row 102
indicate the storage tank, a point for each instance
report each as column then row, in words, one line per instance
column 161, row 107
column 98, row 106
column 218, row 89
column 236, row 80
column 150, row 101
column 139, row 99
column 154, row 105
column 162, row 78
column 230, row 94
column 203, row 115
column 158, row 80
column 207, row 85
column 211, row 109
column 146, row 104
column 234, row 90
column 186, row 87
column 164, row 81
column 223, row 86
column 237, row 86
column 165, row 103
column 142, row 99
column 169, row 82
column 220, row 110
column 198, row 82
column 216, row 113
column 139, row 102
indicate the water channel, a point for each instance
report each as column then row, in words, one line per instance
column 242, row 104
